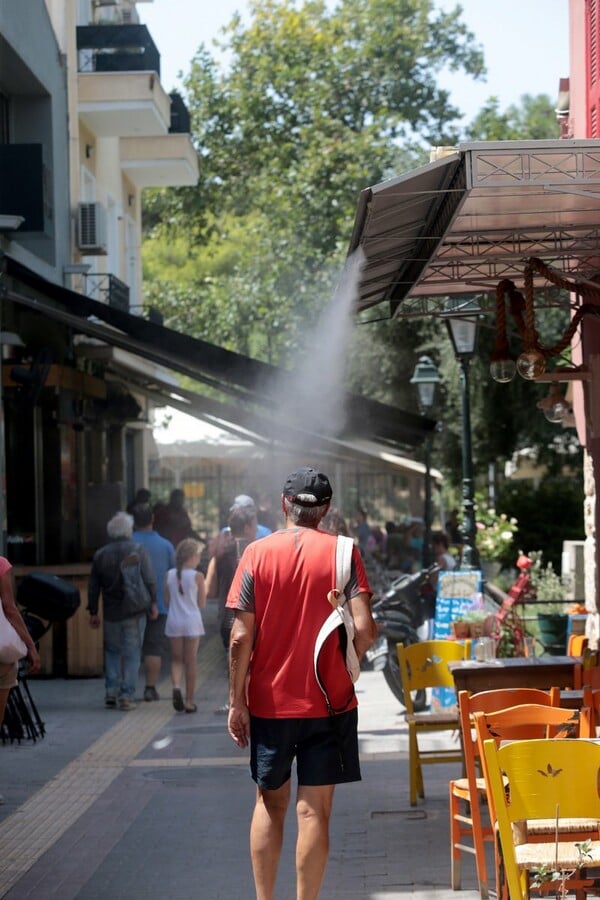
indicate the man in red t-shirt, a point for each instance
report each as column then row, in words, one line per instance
column 279, row 593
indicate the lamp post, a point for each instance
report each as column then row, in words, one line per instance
column 461, row 322
column 425, row 377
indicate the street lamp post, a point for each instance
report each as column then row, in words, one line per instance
column 462, row 322
column 425, row 377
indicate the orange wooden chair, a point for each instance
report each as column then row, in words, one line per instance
column 466, row 794
column 591, row 703
column 425, row 665
column 533, row 722
column 577, row 643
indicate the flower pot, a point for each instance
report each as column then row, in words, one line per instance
column 460, row 630
column 553, row 632
column 490, row 569
column 476, row 629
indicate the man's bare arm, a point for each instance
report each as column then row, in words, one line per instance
column 240, row 650
column 365, row 629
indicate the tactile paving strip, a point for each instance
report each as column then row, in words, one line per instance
column 45, row 817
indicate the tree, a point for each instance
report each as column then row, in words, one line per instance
column 315, row 104
column 318, row 101
column 534, row 120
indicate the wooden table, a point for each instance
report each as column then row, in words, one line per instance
column 537, row 672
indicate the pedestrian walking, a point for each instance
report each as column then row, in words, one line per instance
column 280, row 597
column 244, row 501
column 228, row 548
column 122, row 573
column 156, row 646
column 172, row 520
column 185, row 596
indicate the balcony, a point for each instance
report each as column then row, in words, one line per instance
column 116, row 48
column 166, row 161
column 180, row 117
column 119, row 89
column 108, row 289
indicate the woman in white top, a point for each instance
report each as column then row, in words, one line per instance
column 185, row 596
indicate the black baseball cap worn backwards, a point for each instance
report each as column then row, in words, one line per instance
column 307, row 487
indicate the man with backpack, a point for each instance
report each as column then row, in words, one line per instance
column 122, row 573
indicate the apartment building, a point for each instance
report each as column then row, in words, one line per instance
column 85, row 126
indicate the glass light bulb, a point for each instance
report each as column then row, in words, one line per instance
column 531, row 364
column 503, row 370
column 557, row 412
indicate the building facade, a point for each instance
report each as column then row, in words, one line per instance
column 85, row 126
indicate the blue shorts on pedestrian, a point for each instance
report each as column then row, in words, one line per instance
column 325, row 750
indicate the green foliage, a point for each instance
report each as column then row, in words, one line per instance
column 317, row 101
column 549, row 586
column 535, row 119
column 547, row 513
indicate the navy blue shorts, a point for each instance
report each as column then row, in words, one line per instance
column 325, row 750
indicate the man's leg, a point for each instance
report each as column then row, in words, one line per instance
column 313, row 810
column 266, row 837
column 155, row 648
column 152, row 666
column 131, row 651
column 112, row 659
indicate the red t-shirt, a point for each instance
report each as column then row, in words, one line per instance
column 284, row 580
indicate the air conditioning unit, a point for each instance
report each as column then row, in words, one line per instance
column 91, row 229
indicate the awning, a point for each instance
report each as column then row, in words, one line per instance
column 249, row 383
column 250, row 426
column 462, row 223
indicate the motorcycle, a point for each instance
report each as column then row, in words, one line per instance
column 403, row 614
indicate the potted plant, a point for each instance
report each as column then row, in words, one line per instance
column 495, row 534
column 550, row 589
column 460, row 628
column 477, row 620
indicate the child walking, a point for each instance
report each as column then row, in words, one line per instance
column 185, row 595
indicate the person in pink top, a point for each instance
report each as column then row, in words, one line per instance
column 8, row 671
column 279, row 594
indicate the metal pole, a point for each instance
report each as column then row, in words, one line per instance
column 427, row 510
column 469, row 555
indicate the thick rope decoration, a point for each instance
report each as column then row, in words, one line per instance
column 522, row 310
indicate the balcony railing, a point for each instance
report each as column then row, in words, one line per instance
column 108, row 289
column 180, row 117
column 116, row 48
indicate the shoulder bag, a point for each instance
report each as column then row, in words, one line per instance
column 12, row 646
column 340, row 617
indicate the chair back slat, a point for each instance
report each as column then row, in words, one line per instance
column 425, row 665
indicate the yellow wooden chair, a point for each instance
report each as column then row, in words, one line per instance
column 551, row 780
column 529, row 721
column 468, row 831
column 425, row 665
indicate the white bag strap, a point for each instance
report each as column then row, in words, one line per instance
column 343, row 561
column 340, row 614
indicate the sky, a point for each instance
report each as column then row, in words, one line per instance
column 525, row 43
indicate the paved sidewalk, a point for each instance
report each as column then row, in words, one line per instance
column 155, row 804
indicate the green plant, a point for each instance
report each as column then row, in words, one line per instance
column 550, row 874
column 549, row 586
